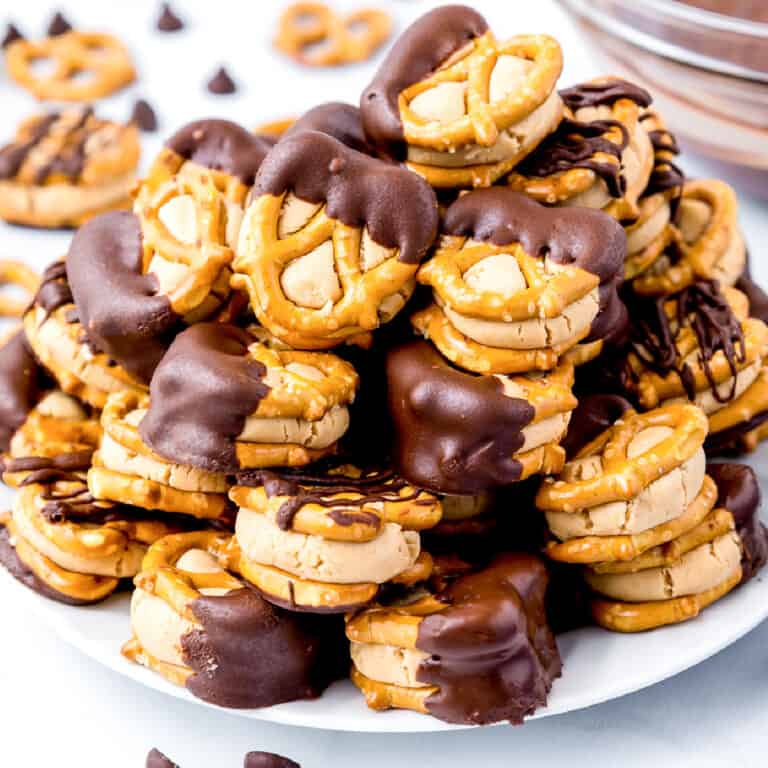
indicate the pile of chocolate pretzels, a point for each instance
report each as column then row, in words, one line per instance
column 364, row 394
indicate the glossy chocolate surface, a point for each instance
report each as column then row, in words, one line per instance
column 337, row 119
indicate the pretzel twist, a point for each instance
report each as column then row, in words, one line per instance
column 103, row 57
column 19, row 275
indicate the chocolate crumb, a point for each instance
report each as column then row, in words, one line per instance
column 221, row 83
column 168, row 21
column 144, row 116
column 12, row 34
column 58, row 25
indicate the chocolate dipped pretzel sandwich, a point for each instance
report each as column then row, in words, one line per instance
column 738, row 491
column 652, row 231
column 323, row 539
column 102, row 58
column 59, row 541
column 334, row 118
column 63, row 168
column 707, row 244
column 517, row 286
column 639, row 484
column 61, row 344
column 477, row 651
column 600, row 156
column 331, row 241
column 699, row 345
column 460, row 107
column 461, row 434
column 196, row 623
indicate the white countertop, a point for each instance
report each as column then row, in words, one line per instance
column 57, row 707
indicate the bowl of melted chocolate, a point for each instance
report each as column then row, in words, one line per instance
column 706, row 61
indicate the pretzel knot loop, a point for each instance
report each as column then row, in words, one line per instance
column 312, row 34
column 86, row 66
column 473, row 67
column 19, row 275
column 622, row 478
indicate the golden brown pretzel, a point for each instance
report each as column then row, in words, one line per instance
column 17, row 274
column 102, row 56
column 315, row 35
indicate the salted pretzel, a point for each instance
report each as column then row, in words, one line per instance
column 622, row 478
column 185, row 224
column 19, row 275
column 315, row 281
column 163, row 485
column 103, row 57
column 315, row 35
column 708, row 245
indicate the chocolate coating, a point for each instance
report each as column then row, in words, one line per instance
column 604, row 94
column 420, row 50
column 268, row 760
column 156, row 759
column 249, row 653
column 21, row 385
column 757, row 297
column 13, row 155
column 739, row 492
column 201, row 395
column 454, row 432
column 222, row 145
column 592, row 416
column 587, row 238
column 492, row 653
column 121, row 312
column 358, row 190
column 666, row 175
column 337, row 119
column 54, row 290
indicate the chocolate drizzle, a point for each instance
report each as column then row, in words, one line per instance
column 22, row 382
column 756, row 296
column 739, row 492
column 248, row 653
column 66, row 462
column 337, row 119
column 54, row 291
column 70, row 162
column 587, row 238
column 12, row 156
column 454, row 432
column 222, row 145
column 119, row 307
column 268, row 760
column 71, row 504
column 156, row 759
column 358, row 190
column 492, row 654
column 604, row 93
column 201, row 395
column 705, row 310
column 420, row 50
column 574, row 145
column 319, row 487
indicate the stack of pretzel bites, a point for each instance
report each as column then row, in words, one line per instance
column 359, row 396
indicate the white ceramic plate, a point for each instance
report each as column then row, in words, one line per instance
column 598, row 665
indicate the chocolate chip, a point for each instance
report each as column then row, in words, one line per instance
column 144, row 116
column 58, row 25
column 168, row 21
column 12, row 34
column 221, row 83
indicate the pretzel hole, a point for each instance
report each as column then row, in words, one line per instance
column 508, row 76
column 371, row 253
column 692, row 219
column 179, row 217
column 169, row 274
column 498, row 273
column 311, row 280
column 81, row 76
column 316, row 49
column 294, row 214
column 358, row 27
column 443, row 103
column 42, row 67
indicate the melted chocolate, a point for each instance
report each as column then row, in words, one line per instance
column 319, row 487
column 12, row 34
column 584, row 237
column 574, row 145
column 728, row 441
column 249, row 653
column 268, row 760
column 757, row 297
column 665, row 175
column 455, row 432
column 58, row 25
column 593, row 416
column 358, row 190
column 12, row 156
column 337, row 119
column 221, row 83
column 601, row 94
column 119, row 307
column 144, row 116
column 21, row 385
column 420, row 50
column 222, row 146
column 156, row 759
column 739, row 492
column 168, row 21
column 70, row 162
column 13, row 564
column 704, row 309
column 201, row 395
column 492, row 654
column 66, row 462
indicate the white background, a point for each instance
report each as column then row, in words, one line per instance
column 59, row 708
